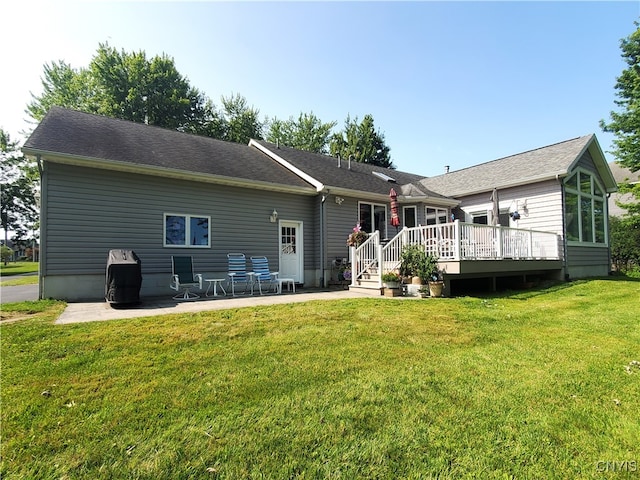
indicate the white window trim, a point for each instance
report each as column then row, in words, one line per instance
column 592, row 196
column 187, row 218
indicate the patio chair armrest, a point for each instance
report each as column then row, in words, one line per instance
column 175, row 282
column 275, row 274
column 200, row 279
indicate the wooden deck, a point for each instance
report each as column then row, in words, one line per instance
column 463, row 250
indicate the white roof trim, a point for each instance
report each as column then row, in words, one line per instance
column 317, row 184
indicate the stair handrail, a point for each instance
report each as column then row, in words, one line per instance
column 364, row 257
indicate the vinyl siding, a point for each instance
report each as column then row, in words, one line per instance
column 587, row 261
column 91, row 211
column 340, row 221
column 586, row 162
column 543, row 202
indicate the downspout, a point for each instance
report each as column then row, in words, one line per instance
column 564, row 229
column 322, row 242
column 608, row 237
column 42, row 261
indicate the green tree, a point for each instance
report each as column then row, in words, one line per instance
column 6, row 254
column 625, row 123
column 128, row 86
column 625, row 242
column 19, row 180
column 307, row 133
column 64, row 86
column 238, row 121
column 362, row 142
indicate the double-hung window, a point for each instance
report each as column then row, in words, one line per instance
column 585, row 209
column 187, row 231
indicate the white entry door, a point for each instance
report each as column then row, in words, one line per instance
column 291, row 251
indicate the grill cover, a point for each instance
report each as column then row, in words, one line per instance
column 123, row 277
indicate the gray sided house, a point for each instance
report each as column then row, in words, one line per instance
column 111, row 184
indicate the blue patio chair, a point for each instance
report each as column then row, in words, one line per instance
column 238, row 272
column 183, row 278
column 263, row 275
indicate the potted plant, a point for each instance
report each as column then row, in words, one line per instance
column 431, row 275
column 411, row 259
column 423, row 291
column 391, row 280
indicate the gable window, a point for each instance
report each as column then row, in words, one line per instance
column 190, row 231
column 584, row 208
column 373, row 217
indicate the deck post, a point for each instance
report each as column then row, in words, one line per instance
column 499, row 241
column 530, row 246
column 380, row 264
column 457, row 232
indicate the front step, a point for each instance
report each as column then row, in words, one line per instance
column 374, row 292
column 368, row 283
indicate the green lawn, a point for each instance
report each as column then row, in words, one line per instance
column 540, row 384
column 14, row 270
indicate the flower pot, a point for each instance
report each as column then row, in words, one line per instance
column 391, row 284
column 435, row 289
column 416, row 281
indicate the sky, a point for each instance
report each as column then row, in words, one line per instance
column 448, row 83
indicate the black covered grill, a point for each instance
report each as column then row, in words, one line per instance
column 124, row 277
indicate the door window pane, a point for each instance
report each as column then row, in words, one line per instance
column 288, row 240
column 380, row 219
column 365, row 217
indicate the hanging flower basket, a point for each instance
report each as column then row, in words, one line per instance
column 357, row 237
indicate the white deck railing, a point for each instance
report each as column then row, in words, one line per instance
column 455, row 241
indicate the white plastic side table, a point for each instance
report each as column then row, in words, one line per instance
column 216, row 282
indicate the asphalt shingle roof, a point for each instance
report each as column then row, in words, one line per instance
column 622, row 174
column 515, row 169
column 360, row 177
column 87, row 136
